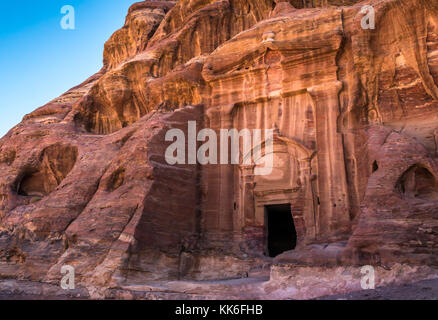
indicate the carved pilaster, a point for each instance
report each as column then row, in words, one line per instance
column 334, row 214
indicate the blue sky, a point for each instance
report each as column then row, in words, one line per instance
column 39, row 60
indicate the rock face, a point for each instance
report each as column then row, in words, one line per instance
column 84, row 180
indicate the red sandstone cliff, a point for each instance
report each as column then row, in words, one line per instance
column 84, row 182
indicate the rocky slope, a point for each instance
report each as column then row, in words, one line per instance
column 84, row 180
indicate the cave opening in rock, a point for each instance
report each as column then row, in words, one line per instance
column 280, row 229
column 418, row 182
column 55, row 163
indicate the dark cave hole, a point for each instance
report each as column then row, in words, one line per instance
column 375, row 166
column 281, row 233
column 31, row 184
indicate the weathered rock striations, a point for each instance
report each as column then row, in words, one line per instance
column 84, row 180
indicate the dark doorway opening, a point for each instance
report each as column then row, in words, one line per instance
column 280, row 228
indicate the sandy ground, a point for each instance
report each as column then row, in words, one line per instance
column 422, row 290
column 222, row 290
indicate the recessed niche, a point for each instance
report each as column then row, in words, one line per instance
column 55, row 164
column 418, row 182
column 116, row 180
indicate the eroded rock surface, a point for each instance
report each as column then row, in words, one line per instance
column 84, row 180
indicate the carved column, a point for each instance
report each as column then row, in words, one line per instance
column 334, row 217
column 227, row 175
column 218, row 206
